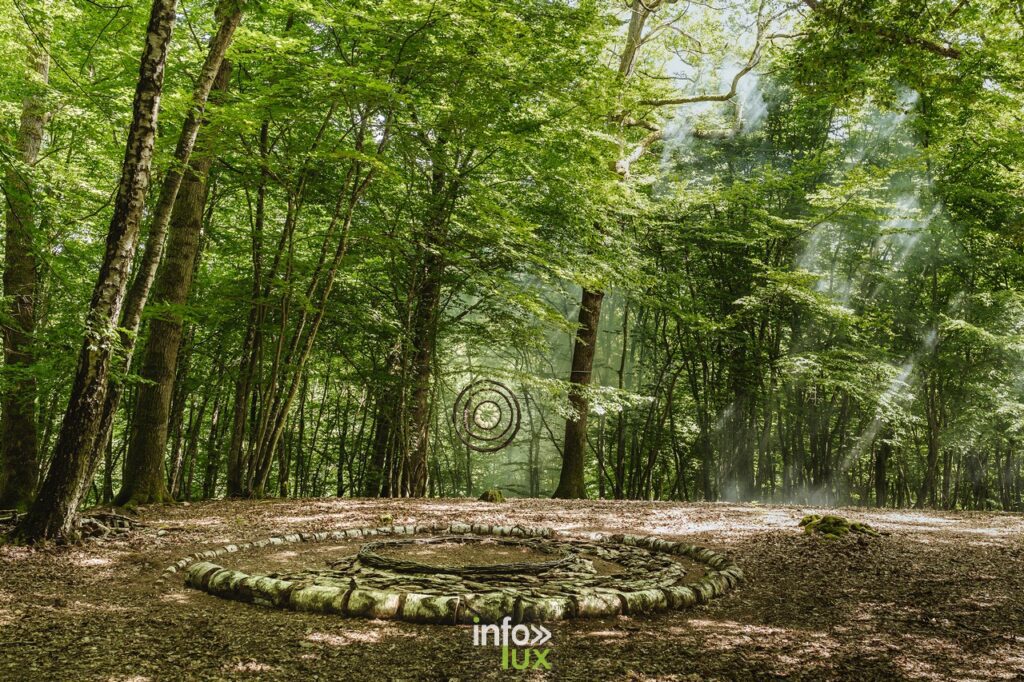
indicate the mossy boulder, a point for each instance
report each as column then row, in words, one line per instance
column 492, row 495
column 834, row 526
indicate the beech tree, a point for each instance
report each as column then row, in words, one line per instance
column 19, row 449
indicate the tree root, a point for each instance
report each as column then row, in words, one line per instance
column 94, row 525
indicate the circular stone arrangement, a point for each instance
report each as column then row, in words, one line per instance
column 618, row 574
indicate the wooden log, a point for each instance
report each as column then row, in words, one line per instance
column 371, row 603
column 428, row 608
column 318, row 599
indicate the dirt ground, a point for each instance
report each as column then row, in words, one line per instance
column 941, row 596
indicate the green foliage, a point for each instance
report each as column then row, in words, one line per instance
column 815, row 273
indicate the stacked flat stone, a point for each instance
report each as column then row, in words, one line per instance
column 651, row 580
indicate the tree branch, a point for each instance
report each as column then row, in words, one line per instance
column 752, row 62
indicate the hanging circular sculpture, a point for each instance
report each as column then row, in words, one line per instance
column 486, row 415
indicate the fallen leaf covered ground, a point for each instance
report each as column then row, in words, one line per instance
column 938, row 596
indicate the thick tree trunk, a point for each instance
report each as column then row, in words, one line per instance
column 570, row 482
column 144, row 478
column 74, row 458
column 19, row 450
column 423, row 340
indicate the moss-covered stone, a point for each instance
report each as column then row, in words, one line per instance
column 492, row 495
column 830, row 525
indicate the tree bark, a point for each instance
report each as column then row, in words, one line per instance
column 74, row 458
column 19, row 448
column 882, row 456
column 570, row 482
column 423, row 341
column 144, row 479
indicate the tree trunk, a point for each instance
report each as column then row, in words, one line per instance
column 570, row 482
column 927, row 492
column 144, row 479
column 74, row 457
column 386, row 432
column 424, row 334
column 19, row 450
column 881, row 468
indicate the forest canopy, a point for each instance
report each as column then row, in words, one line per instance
column 742, row 250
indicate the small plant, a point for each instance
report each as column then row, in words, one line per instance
column 385, row 520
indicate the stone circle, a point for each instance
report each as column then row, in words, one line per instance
column 639, row 574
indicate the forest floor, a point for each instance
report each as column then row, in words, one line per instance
column 940, row 596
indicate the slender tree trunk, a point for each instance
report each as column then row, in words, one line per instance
column 253, row 338
column 570, row 482
column 386, row 433
column 74, row 458
column 343, row 448
column 882, row 456
column 928, row 487
column 19, row 450
column 213, row 449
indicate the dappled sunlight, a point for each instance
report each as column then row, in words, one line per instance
column 346, row 638
column 918, row 655
column 252, row 667
column 608, row 634
column 179, row 597
column 103, row 607
column 313, row 518
column 909, row 518
column 732, row 626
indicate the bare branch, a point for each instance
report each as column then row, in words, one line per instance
column 723, row 97
column 752, row 62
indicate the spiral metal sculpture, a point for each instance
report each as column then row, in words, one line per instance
column 486, row 415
